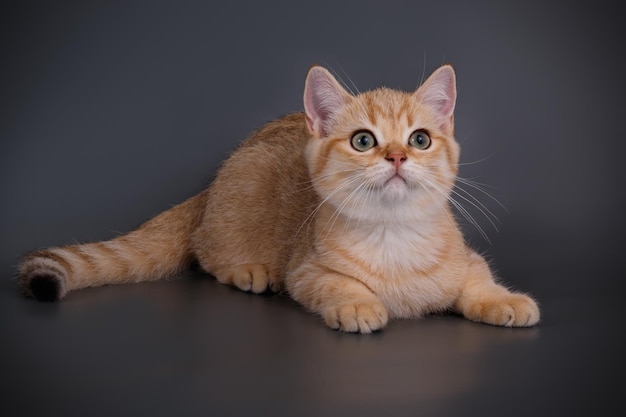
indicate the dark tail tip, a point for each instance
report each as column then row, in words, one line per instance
column 45, row 288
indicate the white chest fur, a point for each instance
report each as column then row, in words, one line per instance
column 403, row 264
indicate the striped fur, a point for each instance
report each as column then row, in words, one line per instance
column 358, row 237
column 157, row 249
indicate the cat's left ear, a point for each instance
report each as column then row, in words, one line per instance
column 439, row 93
column 323, row 99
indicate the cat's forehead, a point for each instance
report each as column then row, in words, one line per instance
column 388, row 112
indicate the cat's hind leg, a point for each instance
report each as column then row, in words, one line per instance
column 253, row 277
column 484, row 301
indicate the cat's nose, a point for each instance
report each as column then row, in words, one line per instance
column 396, row 159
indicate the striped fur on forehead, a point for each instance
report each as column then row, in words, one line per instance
column 388, row 104
column 390, row 112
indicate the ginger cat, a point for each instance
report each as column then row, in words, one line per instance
column 344, row 206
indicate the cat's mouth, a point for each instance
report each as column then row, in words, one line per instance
column 395, row 180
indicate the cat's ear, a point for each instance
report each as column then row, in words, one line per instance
column 439, row 93
column 323, row 98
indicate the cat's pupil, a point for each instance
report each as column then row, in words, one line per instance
column 364, row 141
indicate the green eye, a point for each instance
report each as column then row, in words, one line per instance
column 420, row 140
column 363, row 140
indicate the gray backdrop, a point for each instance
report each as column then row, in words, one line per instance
column 112, row 111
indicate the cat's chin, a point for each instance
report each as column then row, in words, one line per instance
column 395, row 189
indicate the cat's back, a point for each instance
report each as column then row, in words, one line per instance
column 274, row 150
column 260, row 197
column 269, row 164
column 283, row 133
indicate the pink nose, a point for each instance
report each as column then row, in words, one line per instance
column 396, row 159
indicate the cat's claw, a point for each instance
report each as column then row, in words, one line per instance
column 357, row 318
column 514, row 310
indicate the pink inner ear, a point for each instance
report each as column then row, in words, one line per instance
column 323, row 98
column 439, row 92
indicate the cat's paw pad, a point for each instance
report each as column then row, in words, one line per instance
column 512, row 310
column 363, row 317
column 249, row 277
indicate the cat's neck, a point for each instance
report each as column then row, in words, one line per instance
column 393, row 246
column 393, row 221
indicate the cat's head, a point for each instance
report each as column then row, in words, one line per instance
column 382, row 148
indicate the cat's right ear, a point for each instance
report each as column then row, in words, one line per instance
column 323, row 98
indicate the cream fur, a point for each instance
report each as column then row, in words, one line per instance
column 356, row 237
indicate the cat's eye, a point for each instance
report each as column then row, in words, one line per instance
column 420, row 140
column 363, row 140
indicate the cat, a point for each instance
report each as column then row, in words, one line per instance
column 344, row 206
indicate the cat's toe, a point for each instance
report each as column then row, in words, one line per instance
column 248, row 277
column 526, row 311
column 357, row 318
column 259, row 277
column 275, row 283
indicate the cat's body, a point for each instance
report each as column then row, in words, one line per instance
column 344, row 206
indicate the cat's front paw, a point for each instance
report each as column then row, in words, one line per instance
column 510, row 310
column 364, row 317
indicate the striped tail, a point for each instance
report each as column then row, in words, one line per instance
column 157, row 249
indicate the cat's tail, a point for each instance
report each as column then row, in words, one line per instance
column 157, row 249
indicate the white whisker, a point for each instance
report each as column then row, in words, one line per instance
column 339, row 209
column 318, row 179
column 475, row 202
column 478, row 160
column 440, row 203
column 356, row 89
column 477, row 186
column 354, row 92
column 421, row 81
column 459, row 207
column 478, row 205
column 348, row 181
